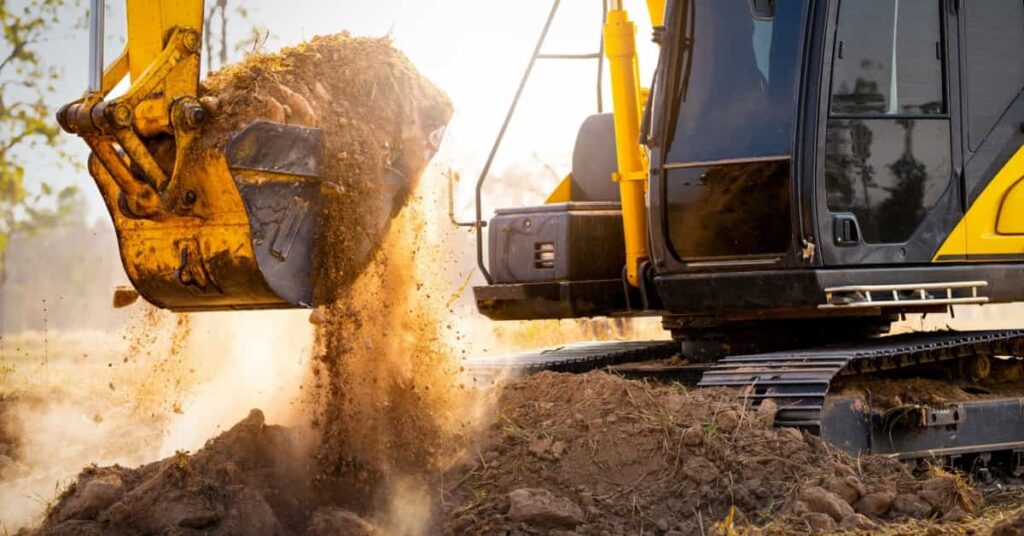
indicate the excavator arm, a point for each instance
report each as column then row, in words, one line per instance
column 200, row 226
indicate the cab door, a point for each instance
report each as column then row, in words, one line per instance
column 888, row 188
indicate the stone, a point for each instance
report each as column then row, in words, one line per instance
column 849, row 488
column 541, row 508
column 798, row 508
column 700, row 470
column 820, row 500
column 818, row 522
column 540, row 447
column 875, row 504
column 693, row 436
column 728, row 421
column 662, row 524
column 766, row 412
column 911, row 505
column 791, row 434
column 858, row 522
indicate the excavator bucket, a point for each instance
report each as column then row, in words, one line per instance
column 219, row 209
column 243, row 231
column 244, row 234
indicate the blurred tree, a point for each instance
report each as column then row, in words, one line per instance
column 27, row 126
column 215, row 33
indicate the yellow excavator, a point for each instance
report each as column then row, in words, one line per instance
column 799, row 175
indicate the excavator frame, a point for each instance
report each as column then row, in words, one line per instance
column 795, row 324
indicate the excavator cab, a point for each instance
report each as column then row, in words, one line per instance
column 199, row 227
column 814, row 171
column 812, row 167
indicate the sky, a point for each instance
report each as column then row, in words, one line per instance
column 474, row 50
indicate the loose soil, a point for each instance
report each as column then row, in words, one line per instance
column 589, row 454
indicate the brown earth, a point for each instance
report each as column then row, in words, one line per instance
column 586, row 454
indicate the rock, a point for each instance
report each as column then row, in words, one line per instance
column 911, row 505
column 317, row 317
column 954, row 514
column 539, row 447
column 693, row 436
column 798, row 508
column 849, row 488
column 93, row 493
column 662, row 524
column 331, row 521
column 820, row 500
column 728, row 421
column 700, row 470
column 557, row 449
column 818, row 522
column 791, row 434
column 766, row 412
column 541, row 508
column 875, row 504
column 858, row 522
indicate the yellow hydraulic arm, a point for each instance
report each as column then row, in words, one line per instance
column 620, row 47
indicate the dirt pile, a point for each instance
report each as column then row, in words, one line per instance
column 583, row 454
column 249, row 480
column 599, row 454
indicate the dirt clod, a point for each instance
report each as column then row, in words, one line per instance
column 911, row 505
column 541, row 508
column 876, row 503
column 823, row 501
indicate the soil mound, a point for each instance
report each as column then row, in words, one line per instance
column 583, row 454
column 600, row 454
column 246, row 481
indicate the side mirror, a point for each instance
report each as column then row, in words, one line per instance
column 762, row 9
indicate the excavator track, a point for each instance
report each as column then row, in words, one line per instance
column 575, row 358
column 798, row 380
column 957, row 432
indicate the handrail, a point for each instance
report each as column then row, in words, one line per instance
column 478, row 223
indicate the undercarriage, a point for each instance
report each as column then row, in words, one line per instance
column 946, row 397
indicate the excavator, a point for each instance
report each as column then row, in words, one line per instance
column 798, row 176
